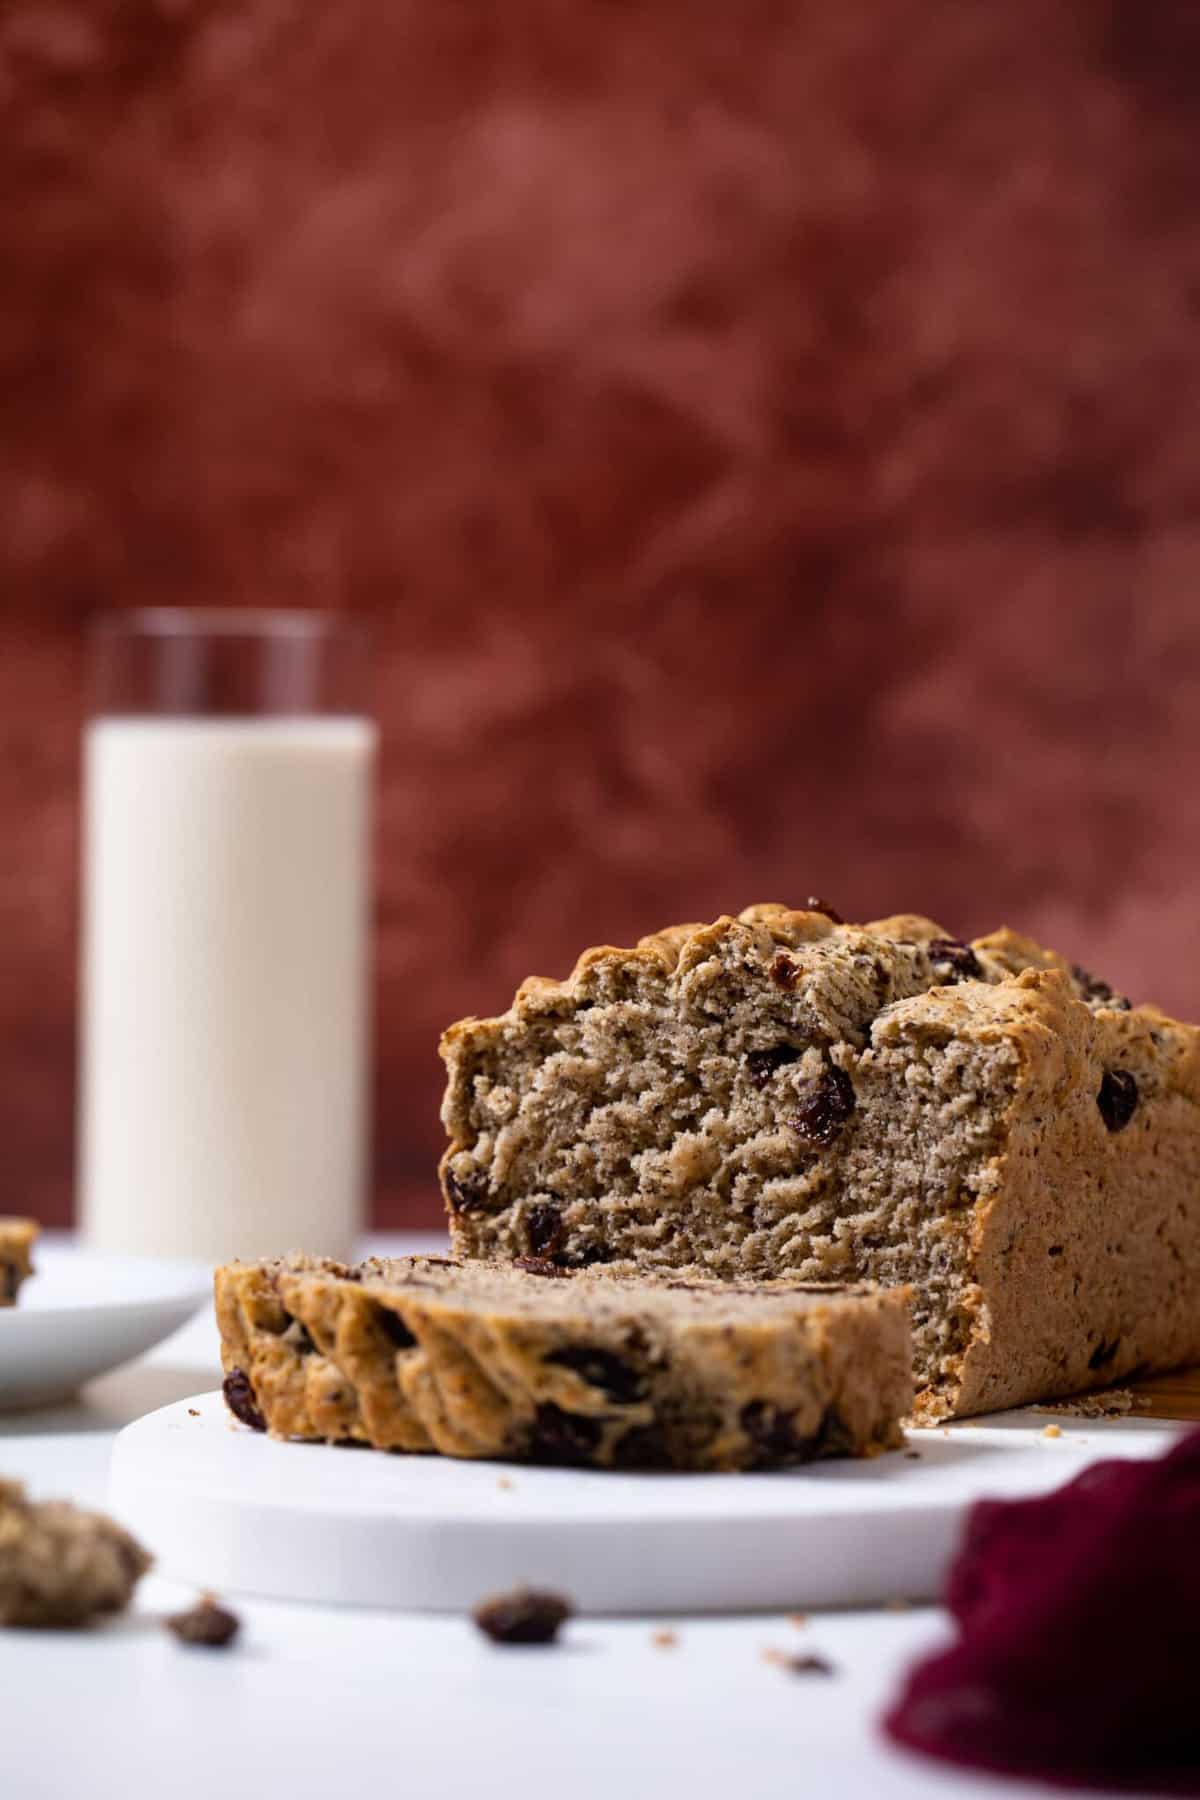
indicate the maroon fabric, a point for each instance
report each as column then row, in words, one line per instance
column 1079, row 1635
column 764, row 439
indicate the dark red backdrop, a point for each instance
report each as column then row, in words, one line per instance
column 765, row 438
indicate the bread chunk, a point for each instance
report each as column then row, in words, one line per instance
column 781, row 1095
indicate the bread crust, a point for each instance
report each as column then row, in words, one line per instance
column 1074, row 1238
column 605, row 1370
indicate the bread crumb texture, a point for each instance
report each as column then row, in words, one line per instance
column 781, row 1094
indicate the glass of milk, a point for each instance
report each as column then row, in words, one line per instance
column 224, row 1042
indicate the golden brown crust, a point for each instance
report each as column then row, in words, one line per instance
column 1087, row 1251
column 595, row 1370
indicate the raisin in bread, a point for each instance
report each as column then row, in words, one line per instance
column 472, row 1360
column 17, row 1237
column 782, row 1094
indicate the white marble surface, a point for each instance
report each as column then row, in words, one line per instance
column 314, row 1701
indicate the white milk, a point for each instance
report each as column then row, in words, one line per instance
column 223, row 1100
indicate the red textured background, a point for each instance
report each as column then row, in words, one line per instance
column 765, row 438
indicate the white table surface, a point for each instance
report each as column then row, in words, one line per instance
column 317, row 1701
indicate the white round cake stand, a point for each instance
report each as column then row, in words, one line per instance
column 226, row 1508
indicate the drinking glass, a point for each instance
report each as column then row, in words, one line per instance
column 228, row 766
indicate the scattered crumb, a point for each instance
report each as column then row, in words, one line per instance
column 504, row 1481
column 945, row 1431
column 523, row 1617
column 798, row 1665
column 1115, row 1404
column 62, row 1567
column 1052, row 1431
column 798, row 1618
column 193, row 1413
column 912, row 1456
column 664, row 1640
column 897, row 1604
column 811, row 1665
column 205, row 1623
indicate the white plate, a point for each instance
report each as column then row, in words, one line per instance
column 85, row 1312
column 223, row 1507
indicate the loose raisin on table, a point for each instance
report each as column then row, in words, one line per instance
column 241, row 1400
column 205, row 1623
column 823, row 1105
column 525, row 1616
column 1117, row 1098
column 808, row 1664
column 957, row 957
column 601, row 1369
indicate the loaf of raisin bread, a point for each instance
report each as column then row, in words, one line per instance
column 17, row 1238
column 784, row 1095
column 472, row 1360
